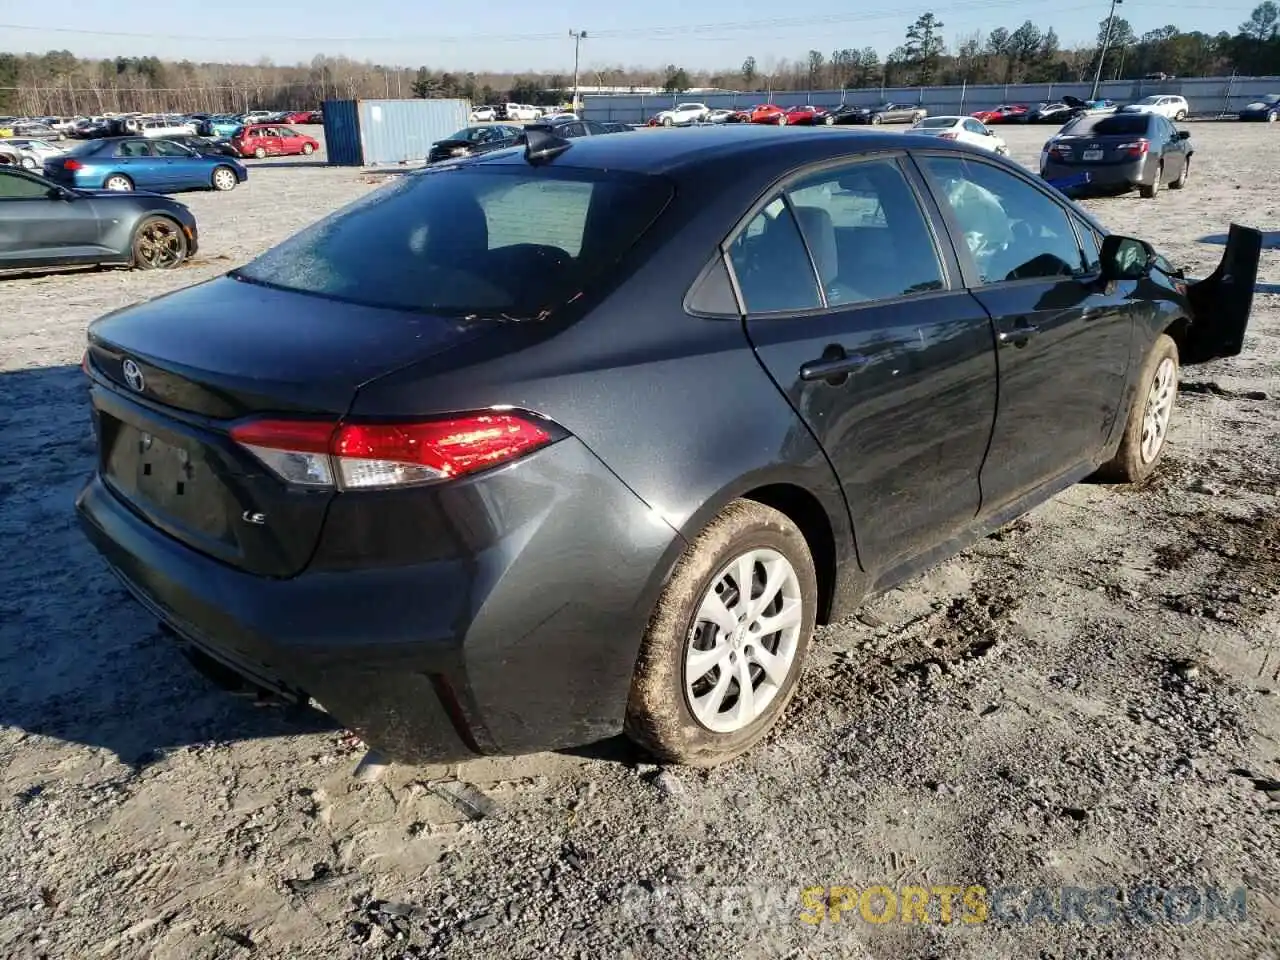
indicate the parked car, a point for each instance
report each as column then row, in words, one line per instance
column 45, row 225
column 613, row 126
column 888, row 112
column 765, row 113
column 223, row 126
column 257, row 116
column 165, row 128
column 1170, row 107
column 681, row 115
column 1005, row 113
column 440, row 480
column 568, row 127
column 520, row 111
column 720, row 115
column 810, row 115
column 1056, row 111
column 961, row 129
column 141, row 163
column 207, row 145
column 270, row 140
column 484, row 114
column 1266, row 109
column 301, row 116
column 1121, row 151
column 29, row 129
column 473, row 140
column 32, row 153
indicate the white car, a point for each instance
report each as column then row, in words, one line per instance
column 522, row 111
column 683, row 113
column 33, row 153
column 1175, row 108
column 484, row 114
column 166, row 128
column 963, row 130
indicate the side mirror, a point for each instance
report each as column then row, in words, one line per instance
column 1126, row 258
column 61, row 193
column 1184, row 134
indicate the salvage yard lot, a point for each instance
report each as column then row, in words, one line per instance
column 1088, row 698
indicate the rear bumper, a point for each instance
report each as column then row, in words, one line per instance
column 1101, row 176
column 525, row 645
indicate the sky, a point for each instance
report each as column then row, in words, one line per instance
column 516, row 35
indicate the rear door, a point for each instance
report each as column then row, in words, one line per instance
column 1064, row 340
column 857, row 311
column 1173, row 152
column 290, row 140
column 37, row 228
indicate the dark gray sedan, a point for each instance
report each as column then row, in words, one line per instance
column 44, row 225
column 1120, row 151
column 547, row 444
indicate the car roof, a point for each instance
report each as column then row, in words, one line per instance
column 665, row 151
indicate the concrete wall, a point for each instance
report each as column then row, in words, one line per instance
column 1207, row 96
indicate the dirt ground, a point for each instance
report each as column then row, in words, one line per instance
column 1089, row 698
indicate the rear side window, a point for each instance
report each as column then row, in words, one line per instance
column 771, row 264
column 510, row 241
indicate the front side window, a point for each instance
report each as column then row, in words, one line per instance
column 973, row 126
column 165, row 148
column 15, row 186
column 513, row 242
column 1011, row 229
column 1090, row 246
column 866, row 232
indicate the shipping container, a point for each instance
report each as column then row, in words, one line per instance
column 366, row 133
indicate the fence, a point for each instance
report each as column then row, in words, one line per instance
column 1206, row 96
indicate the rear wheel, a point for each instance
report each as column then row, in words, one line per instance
column 158, row 244
column 1182, row 177
column 260, row 152
column 1180, row 115
column 723, row 651
column 1147, row 428
column 828, row 120
column 224, row 178
column 29, row 163
column 1153, row 189
column 117, row 181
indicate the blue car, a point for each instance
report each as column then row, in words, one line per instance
column 1265, row 108
column 223, row 126
column 139, row 163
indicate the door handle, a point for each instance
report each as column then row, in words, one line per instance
column 834, row 365
column 1022, row 332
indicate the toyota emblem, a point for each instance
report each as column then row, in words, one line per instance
column 133, row 376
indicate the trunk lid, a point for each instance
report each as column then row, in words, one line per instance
column 171, row 374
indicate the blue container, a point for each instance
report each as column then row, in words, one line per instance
column 366, row 133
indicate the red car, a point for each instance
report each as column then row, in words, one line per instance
column 272, row 140
column 303, row 116
column 766, row 113
column 810, row 115
column 1005, row 113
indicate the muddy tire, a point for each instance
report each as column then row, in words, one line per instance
column 1149, row 191
column 706, row 639
column 159, row 244
column 1150, row 415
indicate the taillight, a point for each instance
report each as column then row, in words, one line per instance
column 379, row 455
column 1059, row 151
column 1136, row 149
column 71, row 163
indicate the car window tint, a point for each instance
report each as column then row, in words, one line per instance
column 973, row 126
column 510, row 242
column 164, row 148
column 867, row 233
column 1012, row 230
column 771, row 264
column 14, row 186
column 134, row 148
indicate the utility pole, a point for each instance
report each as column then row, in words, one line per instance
column 1102, row 54
column 578, row 37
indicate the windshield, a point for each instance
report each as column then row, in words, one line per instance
column 511, row 241
column 936, row 123
column 1116, row 123
column 1149, row 100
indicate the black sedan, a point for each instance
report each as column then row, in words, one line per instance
column 550, row 443
column 44, row 225
column 1265, row 108
column 1121, row 151
column 206, row 146
column 887, row 112
column 470, row 141
column 1057, row 112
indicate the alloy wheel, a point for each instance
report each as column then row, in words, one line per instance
column 160, row 244
column 743, row 641
column 223, row 179
column 118, row 183
column 1158, row 410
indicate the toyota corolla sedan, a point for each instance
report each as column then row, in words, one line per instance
column 524, row 450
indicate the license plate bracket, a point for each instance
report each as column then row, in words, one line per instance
column 1092, row 155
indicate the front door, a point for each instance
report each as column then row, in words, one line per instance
column 40, row 227
column 1063, row 339
column 861, row 319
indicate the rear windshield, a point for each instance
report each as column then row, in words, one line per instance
column 510, row 241
column 1117, row 123
column 930, row 123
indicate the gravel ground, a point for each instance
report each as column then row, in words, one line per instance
column 1088, row 698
